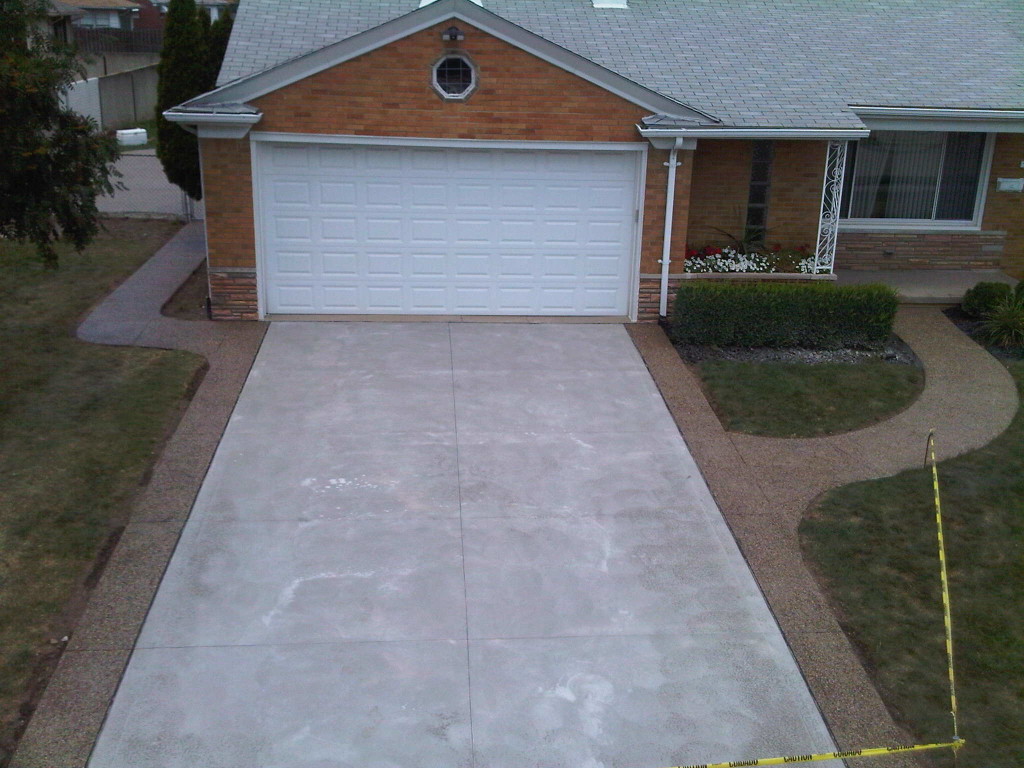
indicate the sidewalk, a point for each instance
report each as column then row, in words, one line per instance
column 764, row 485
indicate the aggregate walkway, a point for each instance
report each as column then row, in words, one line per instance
column 764, row 485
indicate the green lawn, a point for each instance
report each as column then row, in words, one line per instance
column 80, row 425
column 873, row 544
column 807, row 400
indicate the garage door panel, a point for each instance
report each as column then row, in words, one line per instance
column 428, row 299
column 292, row 228
column 334, row 157
column 291, row 192
column 293, row 264
column 340, row 264
column 469, row 265
column 338, row 193
column 384, row 265
column 428, row 197
column 340, row 298
column 290, row 157
column 358, row 229
column 432, row 266
column 339, row 229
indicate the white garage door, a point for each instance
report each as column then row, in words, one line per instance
column 407, row 230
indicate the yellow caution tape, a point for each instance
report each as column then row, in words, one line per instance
column 876, row 752
column 945, row 584
column 957, row 742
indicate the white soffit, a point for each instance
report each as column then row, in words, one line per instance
column 940, row 119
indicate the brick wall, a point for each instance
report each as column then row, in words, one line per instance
column 387, row 92
column 999, row 244
column 919, row 250
column 1004, row 211
column 794, row 199
column 719, row 191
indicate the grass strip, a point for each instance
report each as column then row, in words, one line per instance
column 874, row 546
column 807, row 400
column 80, row 426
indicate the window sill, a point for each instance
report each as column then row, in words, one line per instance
column 908, row 227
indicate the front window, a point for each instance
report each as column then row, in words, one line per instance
column 914, row 175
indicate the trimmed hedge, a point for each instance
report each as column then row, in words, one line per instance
column 763, row 314
column 983, row 298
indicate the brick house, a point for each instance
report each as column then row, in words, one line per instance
column 557, row 157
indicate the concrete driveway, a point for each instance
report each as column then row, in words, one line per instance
column 453, row 545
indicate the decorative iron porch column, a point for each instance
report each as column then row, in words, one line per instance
column 831, row 199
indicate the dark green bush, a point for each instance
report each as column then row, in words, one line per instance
column 764, row 314
column 983, row 298
column 1003, row 325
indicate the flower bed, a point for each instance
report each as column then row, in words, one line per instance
column 778, row 260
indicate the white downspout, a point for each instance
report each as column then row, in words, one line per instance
column 666, row 247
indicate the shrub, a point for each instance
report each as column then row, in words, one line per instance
column 763, row 314
column 983, row 298
column 1003, row 325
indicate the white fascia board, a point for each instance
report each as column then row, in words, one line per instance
column 212, row 125
column 833, row 134
column 941, row 119
column 259, row 84
column 429, row 142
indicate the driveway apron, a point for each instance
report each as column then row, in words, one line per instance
column 458, row 544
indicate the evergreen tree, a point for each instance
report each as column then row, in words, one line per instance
column 182, row 73
column 53, row 162
column 217, row 46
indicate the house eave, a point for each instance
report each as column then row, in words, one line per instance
column 213, row 124
column 663, row 138
column 940, row 119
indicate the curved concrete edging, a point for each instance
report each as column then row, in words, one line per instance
column 764, row 485
column 69, row 715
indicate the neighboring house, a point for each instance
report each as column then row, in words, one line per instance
column 216, row 8
column 107, row 14
column 555, row 157
column 60, row 17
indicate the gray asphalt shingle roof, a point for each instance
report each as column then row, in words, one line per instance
column 766, row 63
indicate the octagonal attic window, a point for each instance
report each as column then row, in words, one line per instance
column 454, row 77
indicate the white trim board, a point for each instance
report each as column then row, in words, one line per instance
column 662, row 138
column 425, row 141
column 291, row 71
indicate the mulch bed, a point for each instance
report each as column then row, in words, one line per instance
column 895, row 350
column 972, row 328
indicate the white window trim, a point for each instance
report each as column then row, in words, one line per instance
column 934, row 225
column 474, row 82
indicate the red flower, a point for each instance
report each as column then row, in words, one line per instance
column 691, row 253
column 776, row 248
